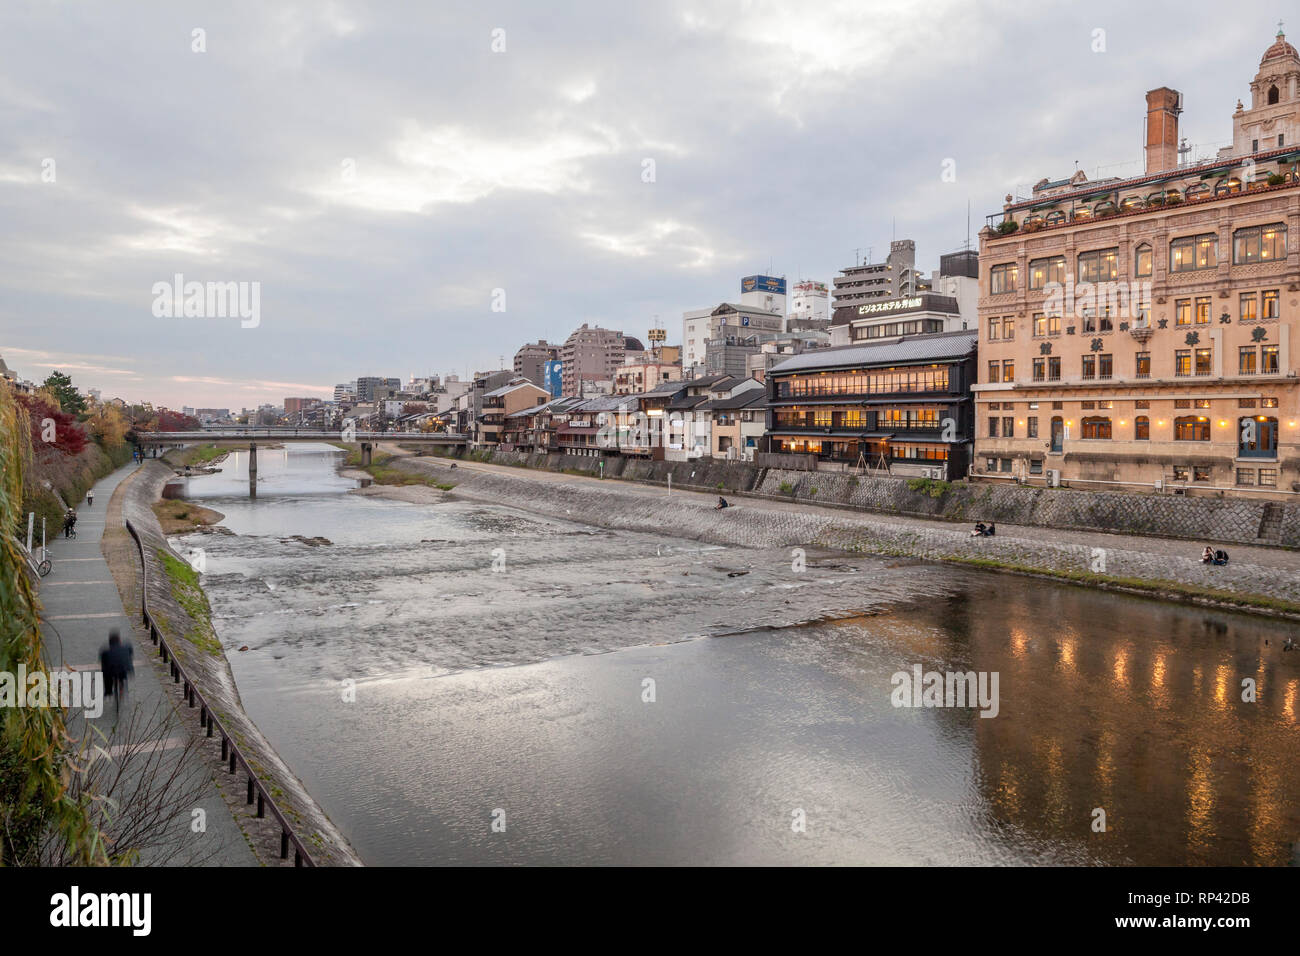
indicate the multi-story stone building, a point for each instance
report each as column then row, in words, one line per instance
column 1138, row 332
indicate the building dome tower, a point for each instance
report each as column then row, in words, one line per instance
column 1273, row 119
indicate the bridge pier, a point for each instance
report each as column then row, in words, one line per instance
column 366, row 451
column 252, row 469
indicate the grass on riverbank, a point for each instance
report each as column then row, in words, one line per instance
column 182, row 517
column 185, row 588
column 384, row 473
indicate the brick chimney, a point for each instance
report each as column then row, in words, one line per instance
column 1163, row 107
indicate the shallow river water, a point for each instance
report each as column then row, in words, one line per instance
column 465, row 683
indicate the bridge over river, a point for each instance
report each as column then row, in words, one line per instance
column 277, row 436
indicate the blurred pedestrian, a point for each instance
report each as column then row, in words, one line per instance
column 115, row 660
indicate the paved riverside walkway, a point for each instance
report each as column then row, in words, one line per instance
column 81, row 604
column 1155, row 549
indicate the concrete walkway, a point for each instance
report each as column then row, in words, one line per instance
column 81, row 605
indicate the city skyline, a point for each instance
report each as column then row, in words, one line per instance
column 381, row 225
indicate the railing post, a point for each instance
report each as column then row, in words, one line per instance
column 284, row 844
column 250, row 788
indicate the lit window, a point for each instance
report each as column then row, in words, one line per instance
column 1246, row 361
column 1096, row 428
column 1249, row 307
column 1271, row 304
column 1259, row 243
column 1003, row 278
column 1193, row 252
column 1192, row 428
column 1099, row 266
column 1043, row 271
column 1142, row 261
column 1268, row 360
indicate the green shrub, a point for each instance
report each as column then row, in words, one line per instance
column 929, row 486
column 787, row 488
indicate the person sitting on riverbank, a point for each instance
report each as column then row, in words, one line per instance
column 1207, row 556
column 991, row 530
column 722, row 503
column 979, row 530
column 1220, row 557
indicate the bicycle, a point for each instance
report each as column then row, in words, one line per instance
column 44, row 567
column 70, row 533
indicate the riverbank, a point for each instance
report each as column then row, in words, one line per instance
column 1258, row 579
column 180, row 607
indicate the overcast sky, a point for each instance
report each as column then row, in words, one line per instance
column 379, row 169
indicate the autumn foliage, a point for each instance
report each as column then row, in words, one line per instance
column 52, row 430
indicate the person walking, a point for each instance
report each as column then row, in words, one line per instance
column 90, row 497
column 69, row 523
column 115, row 660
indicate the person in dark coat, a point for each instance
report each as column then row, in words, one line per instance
column 115, row 660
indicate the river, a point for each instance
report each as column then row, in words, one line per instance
column 467, row 683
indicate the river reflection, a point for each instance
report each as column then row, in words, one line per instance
column 771, row 696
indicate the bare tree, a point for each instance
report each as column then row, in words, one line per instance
column 142, row 789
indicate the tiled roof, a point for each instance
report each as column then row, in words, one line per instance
column 746, row 399
column 508, row 388
column 906, row 349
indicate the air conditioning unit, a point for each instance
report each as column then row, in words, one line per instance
column 1160, row 484
column 1053, row 478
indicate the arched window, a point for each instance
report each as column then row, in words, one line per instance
column 1142, row 428
column 1197, row 191
column 1106, row 208
column 1032, row 220
column 1226, row 187
column 1130, row 202
column 1055, row 216
column 1082, row 212
column 1272, row 95
column 1096, row 428
column 1142, row 260
column 1192, row 428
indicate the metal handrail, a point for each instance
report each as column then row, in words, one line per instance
column 230, row 752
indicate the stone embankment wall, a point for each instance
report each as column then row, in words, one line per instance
column 212, row 675
column 1210, row 520
column 615, row 505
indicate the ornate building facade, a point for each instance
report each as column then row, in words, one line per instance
column 1139, row 332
